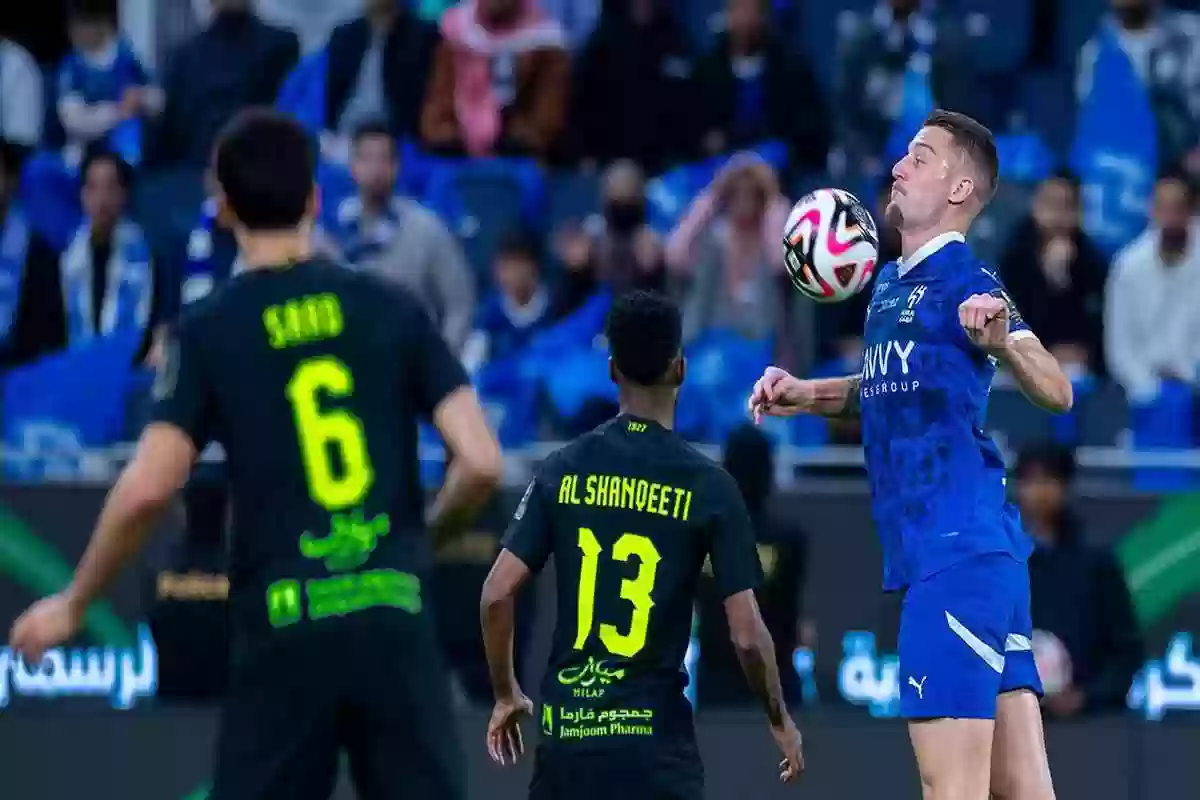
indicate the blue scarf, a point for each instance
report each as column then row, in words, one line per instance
column 14, row 245
column 127, row 295
column 360, row 239
column 204, row 267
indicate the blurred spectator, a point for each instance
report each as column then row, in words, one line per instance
column 755, row 89
column 1086, row 637
column 1163, row 45
column 1151, row 328
column 105, row 281
column 893, row 66
column 631, row 94
column 236, row 62
column 401, row 239
column 618, row 251
column 512, row 314
column 377, row 68
column 102, row 87
column 366, row 223
column 499, row 81
column 727, row 244
column 211, row 257
column 22, row 253
column 1056, row 275
column 782, row 551
column 22, row 101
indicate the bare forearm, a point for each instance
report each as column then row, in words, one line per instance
column 121, row 531
column 497, row 620
column 758, row 664
column 837, row 397
column 463, row 492
column 1039, row 375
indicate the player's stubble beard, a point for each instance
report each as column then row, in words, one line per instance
column 893, row 216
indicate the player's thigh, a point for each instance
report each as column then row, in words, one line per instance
column 401, row 736
column 640, row 772
column 953, row 757
column 277, row 738
column 953, row 628
column 1020, row 769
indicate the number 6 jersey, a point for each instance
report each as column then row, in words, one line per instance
column 630, row 513
column 313, row 378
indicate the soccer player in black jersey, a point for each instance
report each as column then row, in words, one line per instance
column 630, row 513
column 313, row 378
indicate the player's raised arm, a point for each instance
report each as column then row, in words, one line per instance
column 779, row 394
column 737, row 572
column 992, row 323
column 160, row 466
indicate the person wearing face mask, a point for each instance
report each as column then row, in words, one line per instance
column 1151, row 328
column 1057, row 274
column 1162, row 46
column 618, row 250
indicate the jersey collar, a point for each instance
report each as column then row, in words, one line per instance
column 928, row 249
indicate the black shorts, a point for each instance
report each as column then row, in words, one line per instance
column 292, row 711
column 657, row 771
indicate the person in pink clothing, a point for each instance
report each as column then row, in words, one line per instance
column 500, row 79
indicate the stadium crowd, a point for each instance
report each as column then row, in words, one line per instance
column 516, row 163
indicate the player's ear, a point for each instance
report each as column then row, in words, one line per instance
column 964, row 187
column 225, row 216
column 680, row 370
column 612, row 371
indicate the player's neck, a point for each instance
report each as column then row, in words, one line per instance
column 912, row 241
column 654, row 409
column 275, row 249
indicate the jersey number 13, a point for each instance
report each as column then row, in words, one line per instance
column 637, row 590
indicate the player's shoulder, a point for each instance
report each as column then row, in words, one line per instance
column 365, row 288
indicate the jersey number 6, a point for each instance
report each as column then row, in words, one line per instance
column 323, row 432
column 636, row 590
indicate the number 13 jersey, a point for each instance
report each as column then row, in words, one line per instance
column 630, row 513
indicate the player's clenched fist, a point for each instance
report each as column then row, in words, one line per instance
column 48, row 623
column 985, row 319
column 779, row 394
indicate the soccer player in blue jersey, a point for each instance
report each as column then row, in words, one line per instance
column 938, row 326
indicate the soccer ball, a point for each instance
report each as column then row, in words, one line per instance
column 830, row 245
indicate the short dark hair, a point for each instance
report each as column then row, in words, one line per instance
column 372, row 128
column 97, row 153
column 1055, row 460
column 93, row 10
column 265, row 164
column 644, row 336
column 975, row 140
column 518, row 243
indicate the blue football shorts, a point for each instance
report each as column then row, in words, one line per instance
column 965, row 638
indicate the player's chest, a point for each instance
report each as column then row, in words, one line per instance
column 909, row 333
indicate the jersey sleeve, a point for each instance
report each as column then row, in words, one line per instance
column 182, row 391
column 529, row 536
column 733, row 549
column 438, row 372
column 985, row 281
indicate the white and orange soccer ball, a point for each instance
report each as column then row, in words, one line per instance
column 830, row 245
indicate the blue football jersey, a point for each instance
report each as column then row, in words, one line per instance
column 937, row 481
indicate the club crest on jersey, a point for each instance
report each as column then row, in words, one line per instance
column 914, row 297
